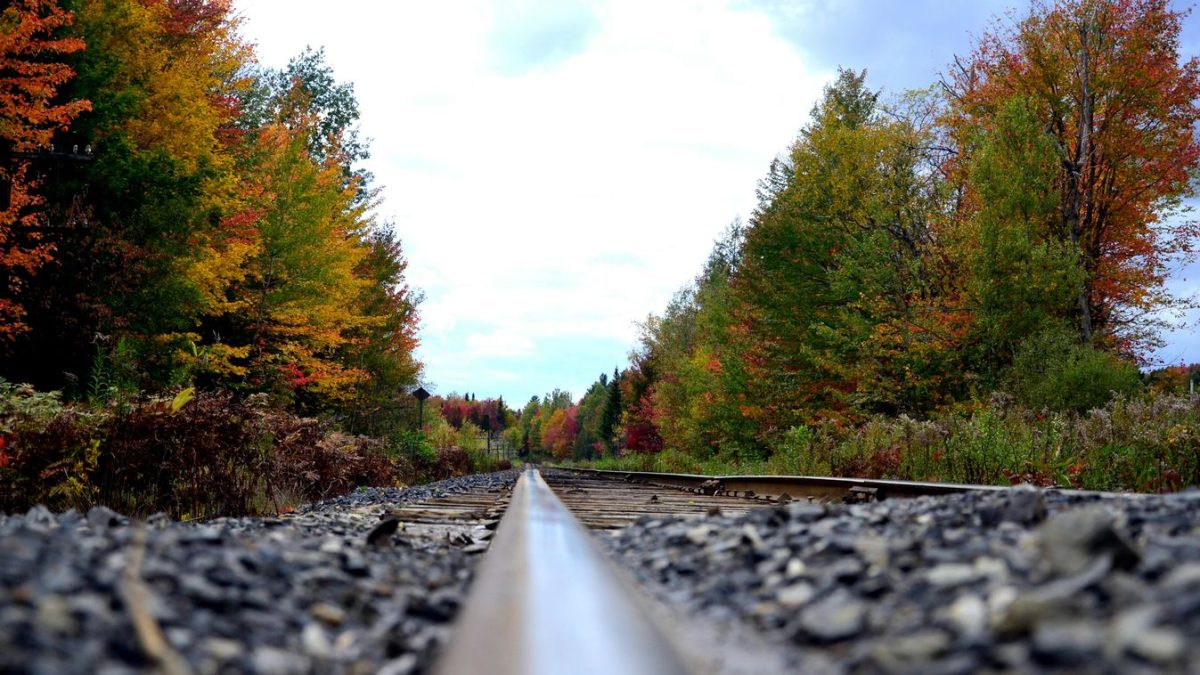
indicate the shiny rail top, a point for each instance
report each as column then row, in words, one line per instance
column 546, row 601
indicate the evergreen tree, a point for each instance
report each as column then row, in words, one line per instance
column 611, row 417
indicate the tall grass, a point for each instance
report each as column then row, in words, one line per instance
column 1148, row 443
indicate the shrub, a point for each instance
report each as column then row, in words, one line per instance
column 192, row 458
column 797, row 454
column 1052, row 370
column 439, row 433
column 310, row 462
column 45, row 449
column 452, row 462
column 51, row 464
column 200, row 460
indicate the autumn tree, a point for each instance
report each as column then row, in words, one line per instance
column 135, row 219
column 1106, row 80
column 301, row 287
column 31, row 113
column 384, row 347
column 835, row 296
column 699, row 392
column 559, row 430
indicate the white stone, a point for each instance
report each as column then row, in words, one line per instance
column 951, row 574
column 968, row 614
column 315, row 642
column 1160, row 645
column 795, row 595
column 795, row 568
column 699, row 535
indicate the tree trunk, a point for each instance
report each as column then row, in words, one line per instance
column 1075, row 185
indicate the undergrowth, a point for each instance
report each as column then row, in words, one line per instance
column 1146, row 444
column 191, row 456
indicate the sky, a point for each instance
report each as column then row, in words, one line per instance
column 558, row 169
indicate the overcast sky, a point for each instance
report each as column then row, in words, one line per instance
column 558, row 169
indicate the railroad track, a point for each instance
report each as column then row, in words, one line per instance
column 381, row 580
column 546, row 600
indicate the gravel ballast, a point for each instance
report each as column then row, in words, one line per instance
column 1017, row 581
column 97, row 593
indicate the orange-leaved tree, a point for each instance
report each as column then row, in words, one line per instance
column 1107, row 82
column 30, row 114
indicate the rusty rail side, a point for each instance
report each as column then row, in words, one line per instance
column 546, row 601
column 822, row 487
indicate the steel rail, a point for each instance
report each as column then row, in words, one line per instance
column 545, row 601
column 795, row 486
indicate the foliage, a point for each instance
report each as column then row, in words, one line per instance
column 1021, row 277
column 1148, row 444
column 31, row 113
column 1053, row 370
column 913, row 256
column 209, row 455
column 1110, row 88
column 222, row 234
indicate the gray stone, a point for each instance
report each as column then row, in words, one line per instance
column 968, row 615
column 1022, row 610
column 354, row 563
column 909, row 653
column 314, row 641
column 328, row 614
column 1186, row 575
column 845, row 570
column 274, row 661
column 202, row 590
column 803, row 512
column 53, row 616
column 1025, row 505
column 1067, row 642
column 223, row 649
column 873, row 549
column 1070, row 541
column 40, row 518
column 102, row 518
column 795, row 568
column 751, row 535
column 699, row 535
column 159, row 521
column 1163, row 645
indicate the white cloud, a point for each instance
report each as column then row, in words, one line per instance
column 570, row 199
column 498, row 343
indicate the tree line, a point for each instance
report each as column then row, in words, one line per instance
column 1006, row 232
column 176, row 214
